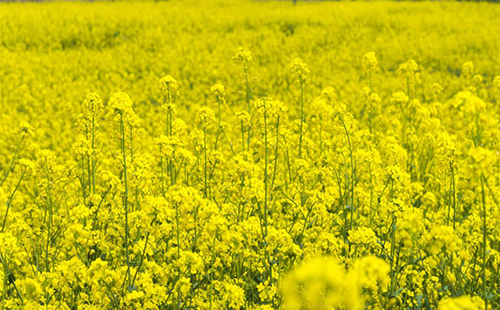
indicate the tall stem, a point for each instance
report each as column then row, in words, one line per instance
column 94, row 163
column 206, row 160
column 6, row 175
column 352, row 168
column 9, row 202
column 265, row 173
column 212, row 272
column 219, row 130
column 454, row 197
column 301, row 116
column 248, row 98
column 484, row 242
column 125, row 199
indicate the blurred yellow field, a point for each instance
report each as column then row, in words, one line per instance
column 249, row 155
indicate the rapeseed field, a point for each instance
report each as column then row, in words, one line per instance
column 237, row 154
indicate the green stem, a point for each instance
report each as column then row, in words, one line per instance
column 6, row 175
column 10, row 200
column 484, row 242
column 125, row 200
column 352, row 168
column 212, row 272
column 206, row 160
column 301, row 116
column 248, row 98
